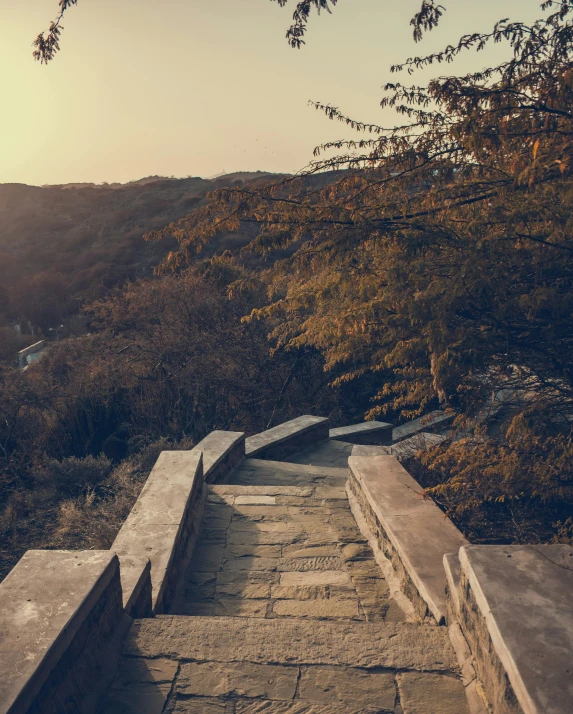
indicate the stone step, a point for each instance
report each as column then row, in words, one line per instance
column 204, row 665
column 259, row 472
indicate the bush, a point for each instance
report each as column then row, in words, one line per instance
column 73, row 476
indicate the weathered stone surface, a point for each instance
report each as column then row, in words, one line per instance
column 354, row 687
column 216, row 679
column 366, row 645
column 259, row 551
column 312, row 551
column 316, row 608
column 140, row 687
column 414, row 529
column 234, row 490
column 302, row 565
column 523, row 596
column 255, row 500
column 247, row 563
column 287, row 438
column 160, row 525
column 431, row 694
column 368, row 432
column 222, row 452
column 136, row 585
column 315, row 577
column 298, row 707
column 53, row 602
column 254, row 591
column 300, row 592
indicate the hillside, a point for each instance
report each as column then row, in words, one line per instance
column 61, row 246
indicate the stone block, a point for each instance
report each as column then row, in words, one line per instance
column 162, row 524
column 516, row 612
column 412, row 531
column 287, row 438
column 294, row 642
column 316, row 608
column 315, row 577
column 255, row 500
column 58, row 608
column 222, row 452
column 223, row 679
column 136, row 585
column 427, row 693
column 354, row 687
column 368, row 432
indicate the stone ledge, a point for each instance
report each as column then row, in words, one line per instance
column 222, row 451
column 136, row 585
column 412, row 531
column 287, row 438
column 161, row 525
column 429, row 422
column 516, row 613
column 59, row 611
column 368, row 432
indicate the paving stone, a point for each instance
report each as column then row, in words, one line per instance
column 300, row 592
column 323, row 562
column 345, row 685
column 247, row 576
column 316, row 608
column 292, row 641
column 141, row 686
column 431, row 694
column 254, row 591
column 330, row 492
column 248, row 563
column 215, row 679
column 200, row 592
column 267, row 513
column 241, row 607
column 254, row 500
column 233, row 490
column 315, row 577
column 295, row 501
column 270, row 527
column 256, row 551
column 259, row 537
column 207, row 557
column 298, row 551
column 357, row 551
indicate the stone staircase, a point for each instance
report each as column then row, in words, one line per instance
column 283, row 609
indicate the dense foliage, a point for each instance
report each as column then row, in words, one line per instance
column 439, row 249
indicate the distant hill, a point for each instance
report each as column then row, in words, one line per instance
column 90, row 236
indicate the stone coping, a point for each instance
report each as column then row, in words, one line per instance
column 287, row 438
column 368, row 432
column 222, row 452
column 416, row 528
column 525, row 595
column 46, row 598
column 429, row 422
column 158, row 526
column 136, row 585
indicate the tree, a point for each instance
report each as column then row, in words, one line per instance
column 47, row 44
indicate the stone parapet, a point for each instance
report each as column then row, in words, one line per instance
column 429, row 422
column 165, row 520
column 60, row 620
column 514, row 607
column 286, row 439
column 222, row 452
column 368, row 432
column 411, row 531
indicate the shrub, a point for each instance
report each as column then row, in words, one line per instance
column 73, row 476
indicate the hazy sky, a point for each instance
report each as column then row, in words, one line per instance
column 198, row 87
